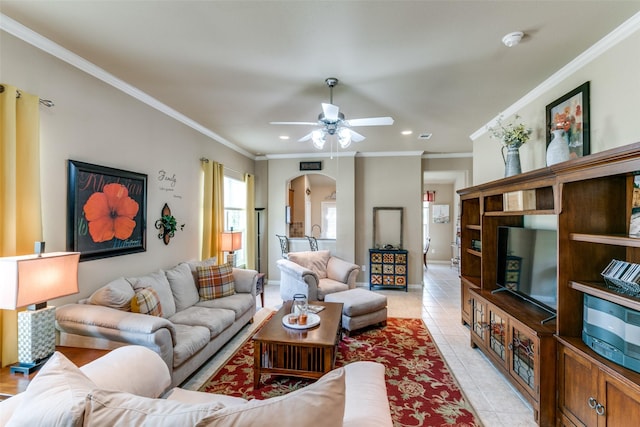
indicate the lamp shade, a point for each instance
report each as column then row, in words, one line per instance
column 33, row 279
column 231, row 241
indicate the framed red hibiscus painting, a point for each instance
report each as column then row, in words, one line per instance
column 106, row 211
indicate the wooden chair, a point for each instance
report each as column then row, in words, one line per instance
column 426, row 251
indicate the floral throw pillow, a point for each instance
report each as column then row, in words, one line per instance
column 146, row 301
column 215, row 281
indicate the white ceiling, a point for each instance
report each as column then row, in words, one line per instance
column 234, row 66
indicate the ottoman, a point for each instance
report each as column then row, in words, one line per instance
column 360, row 308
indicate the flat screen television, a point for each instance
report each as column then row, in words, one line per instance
column 528, row 264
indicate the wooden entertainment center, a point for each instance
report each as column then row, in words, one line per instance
column 566, row 382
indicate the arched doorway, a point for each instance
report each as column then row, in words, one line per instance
column 312, row 209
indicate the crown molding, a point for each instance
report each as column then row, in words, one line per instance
column 627, row 28
column 358, row 154
column 447, row 155
column 316, row 155
column 27, row 35
column 391, row 154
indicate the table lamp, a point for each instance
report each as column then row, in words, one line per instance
column 29, row 281
column 231, row 242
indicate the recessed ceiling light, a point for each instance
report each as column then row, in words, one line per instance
column 407, row 132
column 284, row 137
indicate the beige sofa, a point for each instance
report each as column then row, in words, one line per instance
column 189, row 329
column 122, row 388
column 315, row 274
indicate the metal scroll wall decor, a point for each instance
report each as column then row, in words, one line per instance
column 168, row 225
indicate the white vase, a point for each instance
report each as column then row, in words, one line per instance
column 558, row 148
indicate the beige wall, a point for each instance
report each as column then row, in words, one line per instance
column 458, row 171
column 614, row 94
column 362, row 183
column 378, row 185
column 96, row 123
column 280, row 172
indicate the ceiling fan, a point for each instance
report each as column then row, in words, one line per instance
column 332, row 122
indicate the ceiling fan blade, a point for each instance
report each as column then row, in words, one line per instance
column 355, row 136
column 371, row 121
column 294, row 123
column 330, row 112
column 307, row 137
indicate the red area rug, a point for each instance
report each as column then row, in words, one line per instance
column 421, row 389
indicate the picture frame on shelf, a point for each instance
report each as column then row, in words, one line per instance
column 94, row 227
column 571, row 113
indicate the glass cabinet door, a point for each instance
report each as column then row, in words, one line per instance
column 523, row 357
column 498, row 334
column 480, row 324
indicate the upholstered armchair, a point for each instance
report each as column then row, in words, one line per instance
column 315, row 274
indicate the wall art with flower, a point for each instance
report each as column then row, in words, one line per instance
column 106, row 211
column 570, row 113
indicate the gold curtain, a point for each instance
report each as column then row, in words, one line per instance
column 21, row 218
column 213, row 210
column 250, row 253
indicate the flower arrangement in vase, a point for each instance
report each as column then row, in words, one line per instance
column 513, row 135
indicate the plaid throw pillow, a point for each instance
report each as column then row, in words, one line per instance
column 146, row 301
column 215, row 281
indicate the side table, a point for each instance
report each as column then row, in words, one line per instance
column 14, row 383
column 260, row 287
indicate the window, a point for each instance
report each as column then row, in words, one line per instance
column 235, row 212
column 329, row 219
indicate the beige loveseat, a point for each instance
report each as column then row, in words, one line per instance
column 315, row 274
column 188, row 330
column 122, row 389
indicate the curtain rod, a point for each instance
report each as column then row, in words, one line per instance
column 45, row 102
column 205, row 160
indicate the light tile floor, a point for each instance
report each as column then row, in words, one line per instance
column 495, row 401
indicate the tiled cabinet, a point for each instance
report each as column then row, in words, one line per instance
column 388, row 268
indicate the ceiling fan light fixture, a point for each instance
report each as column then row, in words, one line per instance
column 318, row 137
column 333, row 123
column 344, row 137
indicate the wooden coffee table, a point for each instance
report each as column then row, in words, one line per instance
column 307, row 353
